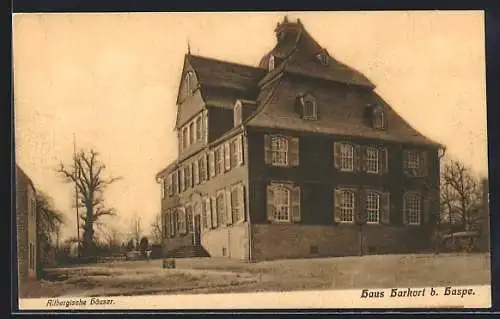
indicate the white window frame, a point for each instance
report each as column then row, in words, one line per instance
column 372, row 160
column 234, row 152
column 281, row 203
column 279, row 150
column 346, row 157
column 347, row 207
column 238, row 114
column 219, row 160
column 413, row 208
column 199, row 134
column 313, row 115
column 413, row 160
column 372, row 208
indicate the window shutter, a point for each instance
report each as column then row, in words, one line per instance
column 227, row 156
column 337, row 201
column 205, row 165
column 405, row 212
column 268, row 155
column 214, row 212
column 427, row 210
column 360, row 206
column 189, row 219
column 363, row 157
column 336, row 154
column 168, row 224
column 196, row 172
column 295, row 204
column 423, row 163
column 229, row 209
column 405, row 162
column 356, row 158
column 241, row 194
column 205, row 126
column 208, row 212
column 211, row 161
column 181, row 180
column 221, row 210
column 270, row 202
column 385, row 208
column 204, row 219
column 239, row 149
column 383, row 160
column 293, row 149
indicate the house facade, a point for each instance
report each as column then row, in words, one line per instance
column 296, row 157
column 26, row 225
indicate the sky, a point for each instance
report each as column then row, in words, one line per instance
column 111, row 80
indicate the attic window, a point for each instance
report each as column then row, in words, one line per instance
column 188, row 82
column 309, row 108
column 379, row 119
column 323, row 58
column 237, row 114
column 271, row 63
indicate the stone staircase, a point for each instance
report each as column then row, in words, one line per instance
column 188, row 252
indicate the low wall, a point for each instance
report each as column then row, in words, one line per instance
column 230, row 241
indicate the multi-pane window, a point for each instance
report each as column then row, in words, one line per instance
column 237, row 203
column 412, row 208
column 219, row 160
column 373, row 208
column 378, row 119
column 413, row 160
column 347, row 206
column 346, row 157
column 279, row 149
column 198, row 128
column 309, row 112
column 281, row 197
column 372, row 160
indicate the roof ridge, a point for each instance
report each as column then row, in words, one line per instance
column 225, row 62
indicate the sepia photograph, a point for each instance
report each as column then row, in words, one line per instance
column 246, row 160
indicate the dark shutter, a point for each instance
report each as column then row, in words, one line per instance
column 385, row 208
column 405, row 162
column 270, row 202
column 383, row 160
column 267, row 149
column 208, row 212
column 336, row 154
column 293, row 151
column 227, row 156
column 363, row 157
column 360, row 206
column 337, row 200
column 404, row 211
column 175, row 218
column 189, row 219
column 427, row 209
column 215, row 220
column 356, row 158
column 211, row 163
column 423, row 164
column 239, row 149
column 229, row 208
column 295, row 203
column 196, row 172
column 242, row 211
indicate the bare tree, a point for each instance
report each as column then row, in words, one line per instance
column 156, row 233
column 87, row 173
column 461, row 195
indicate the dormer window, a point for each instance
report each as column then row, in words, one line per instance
column 379, row 119
column 323, row 58
column 271, row 63
column 309, row 108
column 188, row 82
column 237, row 114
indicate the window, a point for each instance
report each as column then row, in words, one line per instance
column 372, row 160
column 234, row 153
column 281, row 198
column 413, row 160
column 181, row 220
column 271, row 63
column 164, row 224
column 202, row 167
column 221, row 208
column 196, row 173
column 227, row 157
column 198, row 128
column 323, row 58
column 211, row 160
column 372, row 208
column 346, row 157
column 207, row 213
column 412, row 208
column 175, row 182
column 219, row 161
column 188, row 82
column 172, row 219
column 378, row 119
column 279, row 148
column 182, row 180
column 237, row 203
column 188, row 176
column 237, row 114
column 347, row 206
column 185, row 138
column 205, row 126
column 192, row 132
column 189, row 219
column 309, row 112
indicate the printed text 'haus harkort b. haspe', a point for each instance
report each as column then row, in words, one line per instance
column 297, row 157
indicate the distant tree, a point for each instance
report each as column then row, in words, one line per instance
column 156, row 233
column 461, row 196
column 144, row 243
column 130, row 244
column 86, row 172
column 49, row 220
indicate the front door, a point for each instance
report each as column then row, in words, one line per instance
column 197, row 230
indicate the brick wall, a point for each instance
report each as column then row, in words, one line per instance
column 275, row 241
column 230, row 241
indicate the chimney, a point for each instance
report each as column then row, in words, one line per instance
column 287, row 30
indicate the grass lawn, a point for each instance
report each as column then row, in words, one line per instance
column 214, row 275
